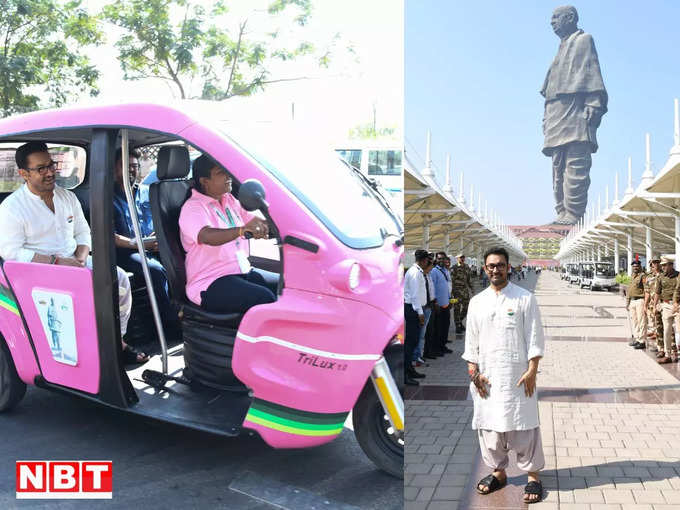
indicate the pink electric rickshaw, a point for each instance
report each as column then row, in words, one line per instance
column 292, row 370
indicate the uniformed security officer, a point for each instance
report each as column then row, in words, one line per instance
column 635, row 298
column 665, row 293
column 461, row 289
column 654, row 312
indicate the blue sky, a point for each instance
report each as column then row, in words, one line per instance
column 473, row 71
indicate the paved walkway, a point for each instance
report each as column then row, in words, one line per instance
column 610, row 417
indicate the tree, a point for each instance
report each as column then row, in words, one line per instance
column 41, row 54
column 186, row 44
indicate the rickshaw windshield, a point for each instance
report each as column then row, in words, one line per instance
column 336, row 195
column 604, row 270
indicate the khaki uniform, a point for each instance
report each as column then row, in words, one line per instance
column 461, row 287
column 665, row 289
column 654, row 312
column 636, row 309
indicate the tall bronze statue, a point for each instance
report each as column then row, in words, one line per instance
column 575, row 101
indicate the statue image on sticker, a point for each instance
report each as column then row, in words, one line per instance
column 56, row 314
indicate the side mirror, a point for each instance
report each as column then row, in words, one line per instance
column 251, row 195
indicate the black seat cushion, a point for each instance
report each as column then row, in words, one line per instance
column 167, row 197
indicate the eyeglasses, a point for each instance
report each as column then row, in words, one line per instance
column 133, row 166
column 493, row 267
column 42, row 170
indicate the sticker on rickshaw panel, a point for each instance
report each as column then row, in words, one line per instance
column 56, row 315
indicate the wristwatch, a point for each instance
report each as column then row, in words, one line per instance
column 53, row 259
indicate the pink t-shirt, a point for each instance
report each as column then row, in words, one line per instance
column 204, row 263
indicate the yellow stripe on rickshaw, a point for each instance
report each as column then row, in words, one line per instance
column 387, row 398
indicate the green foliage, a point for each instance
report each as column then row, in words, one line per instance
column 196, row 53
column 41, row 52
column 368, row 132
column 622, row 279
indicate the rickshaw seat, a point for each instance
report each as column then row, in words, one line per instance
column 194, row 312
column 167, row 196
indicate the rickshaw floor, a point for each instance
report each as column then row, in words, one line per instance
column 217, row 411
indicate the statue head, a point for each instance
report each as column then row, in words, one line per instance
column 564, row 21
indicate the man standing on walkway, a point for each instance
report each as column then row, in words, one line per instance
column 503, row 345
column 441, row 280
column 653, row 312
column 635, row 301
column 665, row 294
column 415, row 297
column 461, row 289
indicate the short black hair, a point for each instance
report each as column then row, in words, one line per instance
column 201, row 168
column 421, row 254
column 22, row 153
column 497, row 251
column 443, row 253
column 132, row 153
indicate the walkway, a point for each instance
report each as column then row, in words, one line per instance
column 610, row 417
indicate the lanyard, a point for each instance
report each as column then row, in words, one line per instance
column 231, row 221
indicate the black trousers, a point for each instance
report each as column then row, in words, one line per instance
column 412, row 327
column 432, row 336
column 237, row 293
column 443, row 325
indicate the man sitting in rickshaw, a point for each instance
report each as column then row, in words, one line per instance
column 127, row 256
column 44, row 223
column 212, row 227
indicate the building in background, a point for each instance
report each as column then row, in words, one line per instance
column 541, row 242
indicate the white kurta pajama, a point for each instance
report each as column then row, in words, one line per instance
column 503, row 333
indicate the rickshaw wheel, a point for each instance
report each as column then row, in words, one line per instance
column 372, row 427
column 12, row 388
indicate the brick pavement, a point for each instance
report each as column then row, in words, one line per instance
column 599, row 455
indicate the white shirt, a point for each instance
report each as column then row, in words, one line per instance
column 28, row 226
column 414, row 288
column 503, row 333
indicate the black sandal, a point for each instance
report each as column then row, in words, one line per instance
column 533, row 488
column 131, row 356
column 492, row 483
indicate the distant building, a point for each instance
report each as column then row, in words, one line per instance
column 541, row 242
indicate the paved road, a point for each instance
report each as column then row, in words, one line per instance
column 610, row 418
column 157, row 465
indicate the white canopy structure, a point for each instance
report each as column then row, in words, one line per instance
column 646, row 220
column 437, row 218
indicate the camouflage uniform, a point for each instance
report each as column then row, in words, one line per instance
column 461, row 289
column 653, row 315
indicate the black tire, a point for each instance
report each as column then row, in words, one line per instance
column 372, row 428
column 12, row 389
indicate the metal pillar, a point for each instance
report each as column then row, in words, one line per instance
column 648, row 245
column 447, row 242
column 616, row 255
column 629, row 253
column 426, row 234
column 599, row 254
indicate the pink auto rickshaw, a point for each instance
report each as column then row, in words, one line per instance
column 290, row 371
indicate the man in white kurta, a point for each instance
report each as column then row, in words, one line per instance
column 503, row 343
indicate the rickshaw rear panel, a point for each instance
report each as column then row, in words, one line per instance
column 15, row 335
column 72, row 287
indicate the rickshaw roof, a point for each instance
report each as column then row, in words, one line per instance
column 74, row 125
